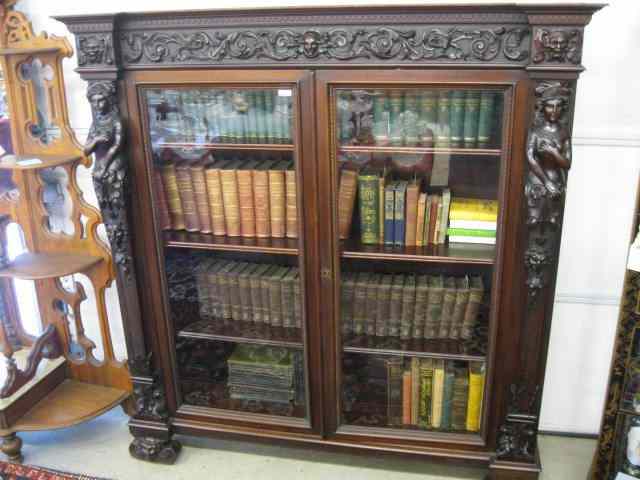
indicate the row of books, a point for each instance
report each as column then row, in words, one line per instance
column 266, row 374
column 435, row 394
column 473, row 221
column 233, row 116
column 246, row 197
column 444, row 118
column 249, row 292
column 410, row 306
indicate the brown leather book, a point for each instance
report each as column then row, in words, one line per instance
column 297, row 301
column 161, row 200
column 265, row 287
column 187, row 196
column 230, row 197
column 170, row 182
column 411, row 215
column 261, row 198
column 406, row 398
column 275, row 296
column 244, row 285
column 214, row 193
column 433, row 217
column 255, row 282
column 346, row 201
column 287, row 294
column 200, row 192
column 277, row 199
column 291, row 208
column 233, row 280
column 245, row 197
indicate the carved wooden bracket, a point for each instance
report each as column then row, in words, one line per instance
column 517, row 435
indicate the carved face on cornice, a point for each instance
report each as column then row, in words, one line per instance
column 311, row 44
column 93, row 49
column 558, row 43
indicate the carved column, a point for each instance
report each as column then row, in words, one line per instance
column 99, row 64
column 554, row 69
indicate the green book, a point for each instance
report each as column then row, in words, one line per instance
column 270, row 128
column 411, row 127
column 471, row 232
column 426, row 392
column 471, row 116
column 380, row 118
column 394, row 390
column 288, row 119
column 261, row 122
column 344, row 117
column 408, row 307
column 395, row 306
column 456, row 118
column 389, row 212
column 485, row 121
column 460, row 396
column 252, row 118
column 396, row 105
column 368, row 201
column 276, row 358
column 399, row 218
column 443, row 135
column 224, row 122
column 279, row 119
column 428, row 117
column 434, row 306
column 447, row 395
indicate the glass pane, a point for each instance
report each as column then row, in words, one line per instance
column 225, row 189
column 417, row 184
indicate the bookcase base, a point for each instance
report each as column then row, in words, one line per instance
column 507, row 470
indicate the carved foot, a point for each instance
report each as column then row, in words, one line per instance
column 155, row 450
column 11, row 447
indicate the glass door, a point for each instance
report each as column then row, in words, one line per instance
column 415, row 172
column 225, row 174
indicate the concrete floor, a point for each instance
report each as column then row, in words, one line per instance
column 100, row 448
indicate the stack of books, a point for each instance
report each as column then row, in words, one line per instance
column 473, row 220
column 435, row 394
column 249, row 292
column 233, row 116
column 232, row 196
column 410, row 118
column 393, row 213
column 410, row 306
column 262, row 374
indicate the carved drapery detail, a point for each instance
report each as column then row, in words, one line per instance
column 549, row 159
column 517, row 435
column 337, row 44
column 96, row 49
column 557, row 46
column 110, row 172
column 153, row 449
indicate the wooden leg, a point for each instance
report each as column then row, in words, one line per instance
column 155, row 450
column 11, row 447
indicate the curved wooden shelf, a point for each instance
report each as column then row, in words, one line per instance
column 27, row 162
column 203, row 241
column 70, row 403
column 486, row 152
column 39, row 266
column 279, row 147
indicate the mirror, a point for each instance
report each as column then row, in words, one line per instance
column 38, row 74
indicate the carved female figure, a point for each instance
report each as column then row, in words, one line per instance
column 548, row 155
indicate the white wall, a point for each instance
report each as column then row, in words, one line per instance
column 600, row 197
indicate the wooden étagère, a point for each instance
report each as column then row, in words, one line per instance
column 249, row 174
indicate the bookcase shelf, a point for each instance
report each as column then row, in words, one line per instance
column 270, row 147
column 470, row 254
column 243, row 332
column 203, row 241
column 39, row 266
column 485, row 152
column 28, row 162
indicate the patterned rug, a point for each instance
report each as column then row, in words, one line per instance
column 14, row 471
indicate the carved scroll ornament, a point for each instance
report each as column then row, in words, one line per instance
column 549, row 159
column 376, row 43
column 110, row 171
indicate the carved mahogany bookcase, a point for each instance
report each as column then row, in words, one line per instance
column 304, row 90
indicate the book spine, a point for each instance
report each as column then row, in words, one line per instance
column 457, row 118
column 368, row 202
column 468, row 232
column 275, row 299
column 256, row 295
column 252, row 125
column 399, row 217
column 225, row 295
column 420, row 310
column 164, row 218
column 415, row 390
column 214, row 290
column 411, row 127
column 170, row 182
column 394, row 391
column 476, row 292
column 230, row 202
column 474, row 404
column 437, row 394
column 406, row 398
column 462, row 300
column 372, row 304
column 460, row 397
column 411, row 215
column 347, row 299
column 408, row 307
column 344, row 117
column 346, row 201
column 297, row 359
column 471, row 116
column 395, row 306
column 473, row 224
column 277, row 203
column 485, row 120
column 444, row 220
column 234, row 293
column 433, row 218
column 245, row 199
column 444, row 134
column 359, row 304
column 422, row 202
column 261, row 123
column 278, row 119
column 291, row 204
column 270, row 132
column 380, row 119
column 381, row 185
column 265, row 301
column 297, row 302
column 216, row 207
column 478, row 240
column 201, row 196
column 448, row 304
column 288, row 120
column 428, row 117
column 202, row 287
column 261, row 203
column 288, row 320
column 244, row 287
column 434, row 312
column 389, row 214
column 396, row 104
column 425, row 419
column 436, row 233
column 383, row 301
column 187, row 198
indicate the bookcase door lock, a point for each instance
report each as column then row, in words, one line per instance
column 325, row 273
